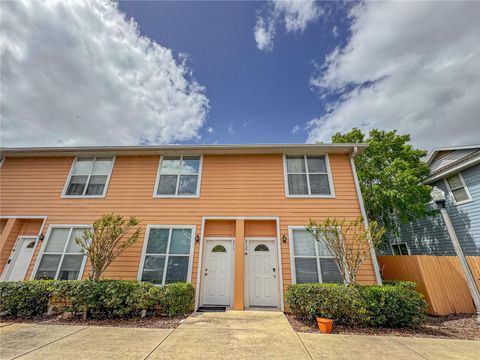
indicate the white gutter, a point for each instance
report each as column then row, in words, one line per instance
column 376, row 267
column 442, row 174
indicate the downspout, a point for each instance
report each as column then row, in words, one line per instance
column 376, row 267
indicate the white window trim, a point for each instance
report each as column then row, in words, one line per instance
column 170, row 227
column 400, row 243
column 197, row 194
column 292, row 255
column 464, row 186
column 44, row 244
column 64, row 193
column 329, row 173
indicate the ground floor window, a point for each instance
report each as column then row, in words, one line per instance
column 167, row 254
column 61, row 258
column 312, row 261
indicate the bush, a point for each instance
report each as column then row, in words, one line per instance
column 97, row 299
column 173, row 299
column 25, row 298
column 342, row 303
column 394, row 305
column 105, row 298
column 383, row 306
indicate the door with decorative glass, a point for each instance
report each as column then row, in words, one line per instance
column 263, row 270
column 217, row 272
column 20, row 258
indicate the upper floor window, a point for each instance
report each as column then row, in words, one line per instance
column 458, row 189
column 308, row 176
column 178, row 176
column 312, row 261
column 400, row 249
column 89, row 177
column 61, row 258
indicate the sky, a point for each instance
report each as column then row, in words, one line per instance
column 103, row 73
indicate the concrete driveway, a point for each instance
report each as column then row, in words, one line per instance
column 229, row 335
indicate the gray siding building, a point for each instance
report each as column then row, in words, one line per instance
column 456, row 170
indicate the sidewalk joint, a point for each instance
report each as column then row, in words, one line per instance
column 304, row 346
column 416, row 352
column 160, row 343
column 51, row 342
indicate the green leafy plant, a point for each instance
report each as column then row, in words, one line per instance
column 394, row 305
column 106, row 241
column 98, row 299
column 375, row 306
column 25, row 298
column 390, row 172
column 344, row 304
column 173, row 299
column 349, row 242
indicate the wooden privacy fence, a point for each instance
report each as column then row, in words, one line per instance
column 439, row 278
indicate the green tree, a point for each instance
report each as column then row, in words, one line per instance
column 390, row 172
column 108, row 238
column 348, row 241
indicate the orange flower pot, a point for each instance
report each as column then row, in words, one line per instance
column 325, row 325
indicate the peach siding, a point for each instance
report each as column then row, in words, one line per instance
column 231, row 185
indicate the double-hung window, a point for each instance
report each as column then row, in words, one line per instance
column 178, row 176
column 89, row 177
column 400, row 249
column 168, row 254
column 312, row 262
column 308, row 176
column 458, row 189
column 61, row 257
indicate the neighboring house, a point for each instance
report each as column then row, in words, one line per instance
column 456, row 170
column 228, row 218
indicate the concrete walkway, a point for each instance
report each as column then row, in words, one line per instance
column 229, row 335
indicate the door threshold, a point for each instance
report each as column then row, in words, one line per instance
column 263, row 308
column 212, row 309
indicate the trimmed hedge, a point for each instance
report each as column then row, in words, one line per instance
column 396, row 305
column 25, row 298
column 97, row 299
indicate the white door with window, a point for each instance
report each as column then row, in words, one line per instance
column 263, row 272
column 217, row 272
column 20, row 258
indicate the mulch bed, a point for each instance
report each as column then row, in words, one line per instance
column 462, row 326
column 158, row 322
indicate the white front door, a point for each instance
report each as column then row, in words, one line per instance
column 263, row 271
column 217, row 272
column 20, row 258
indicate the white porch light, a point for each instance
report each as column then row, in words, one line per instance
column 438, row 196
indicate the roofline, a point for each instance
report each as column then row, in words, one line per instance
column 453, row 169
column 434, row 151
column 350, row 148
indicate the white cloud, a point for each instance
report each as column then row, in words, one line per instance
column 79, row 73
column 210, row 130
column 296, row 129
column 411, row 66
column 264, row 33
column 231, row 129
column 294, row 14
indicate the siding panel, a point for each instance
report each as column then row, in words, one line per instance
column 429, row 236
